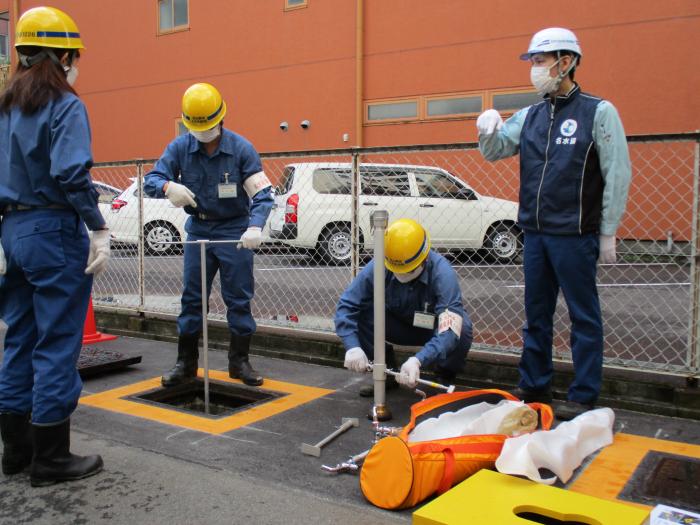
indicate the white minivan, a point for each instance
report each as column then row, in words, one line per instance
column 313, row 209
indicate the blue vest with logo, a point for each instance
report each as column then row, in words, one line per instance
column 561, row 185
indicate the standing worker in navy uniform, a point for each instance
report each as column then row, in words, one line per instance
column 423, row 308
column 46, row 257
column 223, row 188
column 574, row 178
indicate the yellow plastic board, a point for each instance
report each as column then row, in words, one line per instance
column 491, row 498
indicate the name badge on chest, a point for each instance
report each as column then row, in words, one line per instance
column 424, row 319
column 228, row 190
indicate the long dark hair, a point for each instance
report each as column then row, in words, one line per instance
column 31, row 88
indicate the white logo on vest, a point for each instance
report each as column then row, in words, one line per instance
column 568, row 128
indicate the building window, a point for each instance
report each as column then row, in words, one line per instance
column 173, row 15
column 399, row 110
column 294, row 4
column 4, row 38
column 453, row 106
column 511, row 102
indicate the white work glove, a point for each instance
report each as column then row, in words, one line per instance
column 252, row 238
column 356, row 360
column 410, row 372
column 99, row 252
column 607, row 249
column 180, row 195
column 488, row 122
column 3, row 261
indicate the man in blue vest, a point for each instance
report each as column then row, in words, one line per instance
column 574, row 179
column 217, row 177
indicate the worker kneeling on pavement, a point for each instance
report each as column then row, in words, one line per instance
column 217, row 176
column 423, row 308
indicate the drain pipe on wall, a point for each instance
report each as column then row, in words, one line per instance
column 380, row 220
column 15, row 16
column 359, row 73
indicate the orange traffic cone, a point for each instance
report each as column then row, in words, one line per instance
column 90, row 333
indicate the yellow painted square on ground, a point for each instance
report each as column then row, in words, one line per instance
column 492, row 498
column 609, row 472
column 114, row 400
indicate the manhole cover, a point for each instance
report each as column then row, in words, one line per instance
column 665, row 478
column 93, row 361
column 224, row 398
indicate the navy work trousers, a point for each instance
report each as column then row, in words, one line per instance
column 43, row 300
column 568, row 262
column 237, row 286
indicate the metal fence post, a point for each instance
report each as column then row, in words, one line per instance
column 354, row 219
column 694, row 328
column 141, row 247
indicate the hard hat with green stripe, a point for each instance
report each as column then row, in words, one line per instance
column 406, row 246
column 47, row 27
column 202, row 107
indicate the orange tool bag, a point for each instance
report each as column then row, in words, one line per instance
column 397, row 474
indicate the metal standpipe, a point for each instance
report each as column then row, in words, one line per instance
column 380, row 220
column 205, row 328
column 205, row 306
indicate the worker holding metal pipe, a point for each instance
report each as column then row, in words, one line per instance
column 423, row 308
column 217, row 177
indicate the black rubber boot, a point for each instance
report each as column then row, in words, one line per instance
column 238, row 365
column 533, row 396
column 186, row 365
column 16, row 441
column 391, row 384
column 53, row 461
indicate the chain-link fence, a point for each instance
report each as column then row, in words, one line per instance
column 319, row 237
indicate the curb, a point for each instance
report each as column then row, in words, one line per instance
column 647, row 392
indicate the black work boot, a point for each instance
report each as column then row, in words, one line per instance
column 238, row 364
column 186, row 365
column 391, row 383
column 17, row 442
column 533, row 396
column 53, row 461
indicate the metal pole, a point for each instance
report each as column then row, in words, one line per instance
column 205, row 328
column 142, row 239
column 693, row 358
column 380, row 220
column 355, row 215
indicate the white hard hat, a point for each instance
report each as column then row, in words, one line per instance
column 552, row 39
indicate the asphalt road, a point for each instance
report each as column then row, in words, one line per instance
column 645, row 306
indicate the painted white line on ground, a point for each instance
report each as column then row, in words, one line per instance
column 621, row 285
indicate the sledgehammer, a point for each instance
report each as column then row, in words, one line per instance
column 315, row 450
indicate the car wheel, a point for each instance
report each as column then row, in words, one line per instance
column 335, row 245
column 158, row 236
column 504, row 243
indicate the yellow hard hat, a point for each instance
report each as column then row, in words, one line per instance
column 47, row 27
column 406, row 246
column 202, row 107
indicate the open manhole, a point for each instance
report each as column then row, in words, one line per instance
column 224, row 398
column 665, row 478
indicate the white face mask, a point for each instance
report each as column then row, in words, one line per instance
column 404, row 278
column 71, row 74
column 544, row 84
column 206, row 136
